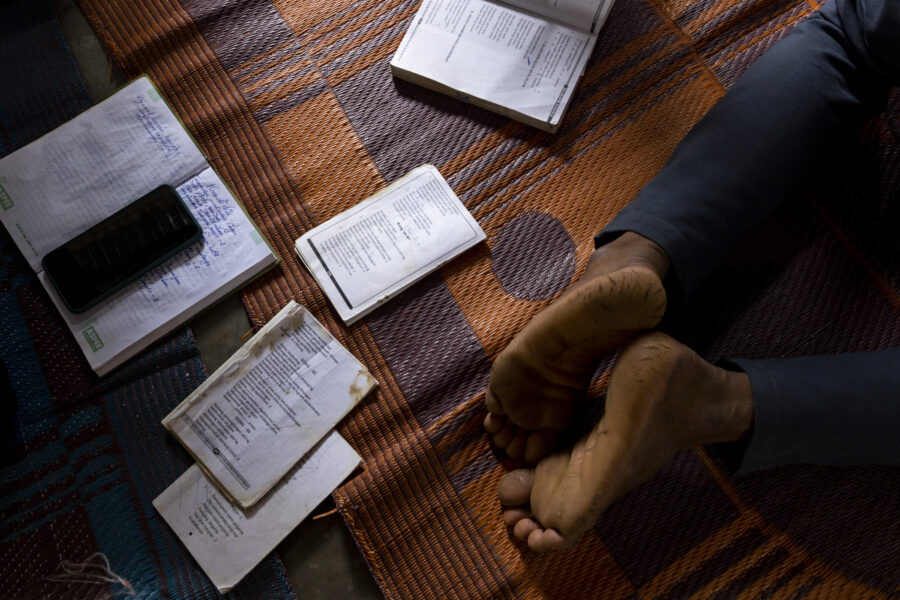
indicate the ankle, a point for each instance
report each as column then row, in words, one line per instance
column 742, row 405
column 736, row 407
column 632, row 250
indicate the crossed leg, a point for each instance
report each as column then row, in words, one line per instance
column 537, row 381
column 662, row 398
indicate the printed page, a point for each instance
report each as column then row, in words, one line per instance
column 228, row 542
column 381, row 246
column 231, row 251
column 486, row 50
column 586, row 15
column 72, row 178
column 257, row 415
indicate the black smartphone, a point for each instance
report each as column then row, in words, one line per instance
column 121, row 248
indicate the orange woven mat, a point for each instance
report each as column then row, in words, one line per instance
column 294, row 103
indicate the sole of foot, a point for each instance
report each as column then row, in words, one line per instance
column 538, row 380
column 662, row 398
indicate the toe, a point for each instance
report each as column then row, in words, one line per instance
column 515, row 487
column 542, row 540
column 516, row 447
column 503, row 437
column 492, row 402
column 511, row 516
column 493, row 423
column 523, row 529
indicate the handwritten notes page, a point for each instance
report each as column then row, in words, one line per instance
column 72, row 178
column 260, row 412
column 88, row 168
column 228, row 542
column 231, row 253
column 383, row 245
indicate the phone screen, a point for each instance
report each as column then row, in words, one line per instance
column 121, row 248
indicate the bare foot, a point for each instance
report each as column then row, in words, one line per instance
column 538, row 379
column 662, row 398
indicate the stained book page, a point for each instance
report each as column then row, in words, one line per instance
column 489, row 51
column 381, row 246
column 228, row 542
column 251, row 421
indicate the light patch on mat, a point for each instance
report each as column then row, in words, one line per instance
column 324, row 157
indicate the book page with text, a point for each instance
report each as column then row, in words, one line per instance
column 86, row 169
column 231, row 250
column 483, row 49
column 586, row 15
column 368, row 254
column 251, row 421
column 228, row 542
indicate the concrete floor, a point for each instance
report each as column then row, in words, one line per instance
column 320, row 555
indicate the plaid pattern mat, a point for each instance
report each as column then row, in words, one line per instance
column 294, row 103
column 83, row 458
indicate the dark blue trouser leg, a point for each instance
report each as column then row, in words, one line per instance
column 841, row 409
column 741, row 161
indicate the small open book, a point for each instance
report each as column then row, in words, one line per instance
column 261, row 429
column 519, row 58
column 368, row 254
column 267, row 405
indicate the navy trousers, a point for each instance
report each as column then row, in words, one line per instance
column 739, row 163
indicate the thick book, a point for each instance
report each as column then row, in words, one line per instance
column 76, row 176
column 519, row 58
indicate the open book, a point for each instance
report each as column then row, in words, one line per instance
column 227, row 541
column 251, row 421
column 105, row 158
column 519, row 58
column 371, row 252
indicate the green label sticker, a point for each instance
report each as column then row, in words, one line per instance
column 257, row 239
column 154, row 95
column 93, row 338
column 6, row 202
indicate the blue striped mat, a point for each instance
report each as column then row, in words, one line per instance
column 83, row 458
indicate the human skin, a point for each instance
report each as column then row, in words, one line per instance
column 539, row 378
column 662, row 397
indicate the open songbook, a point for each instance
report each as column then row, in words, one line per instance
column 261, row 429
column 373, row 251
column 74, row 177
column 519, row 58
